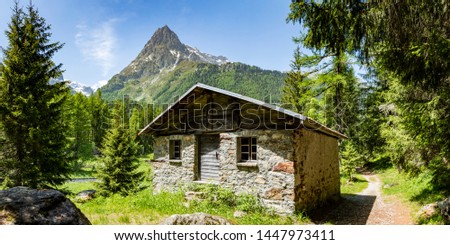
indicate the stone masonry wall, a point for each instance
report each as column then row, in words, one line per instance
column 271, row 177
column 317, row 169
column 172, row 174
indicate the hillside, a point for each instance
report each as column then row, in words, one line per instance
column 166, row 68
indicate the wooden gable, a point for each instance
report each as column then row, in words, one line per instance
column 205, row 109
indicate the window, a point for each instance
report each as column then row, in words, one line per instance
column 247, row 149
column 175, row 149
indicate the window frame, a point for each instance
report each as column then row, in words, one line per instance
column 174, row 148
column 252, row 149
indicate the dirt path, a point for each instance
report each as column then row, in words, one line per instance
column 369, row 208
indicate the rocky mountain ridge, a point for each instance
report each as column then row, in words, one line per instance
column 165, row 51
column 165, row 68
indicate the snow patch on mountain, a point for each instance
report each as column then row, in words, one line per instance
column 80, row 88
column 208, row 58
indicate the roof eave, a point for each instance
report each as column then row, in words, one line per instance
column 312, row 124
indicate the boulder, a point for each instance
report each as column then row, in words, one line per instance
column 444, row 207
column 195, row 219
column 239, row 214
column 387, row 186
column 84, row 196
column 441, row 208
column 427, row 211
column 26, row 206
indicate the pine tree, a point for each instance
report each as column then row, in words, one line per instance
column 80, row 126
column 369, row 140
column 119, row 156
column 99, row 112
column 389, row 36
column 297, row 86
column 35, row 151
column 341, row 94
column 135, row 127
column 350, row 160
column 325, row 89
column 135, row 121
column 301, row 86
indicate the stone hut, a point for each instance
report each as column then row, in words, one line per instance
column 212, row 135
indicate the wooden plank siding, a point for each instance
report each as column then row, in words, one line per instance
column 206, row 109
column 209, row 158
column 214, row 112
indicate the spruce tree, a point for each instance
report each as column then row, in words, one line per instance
column 119, row 157
column 35, row 151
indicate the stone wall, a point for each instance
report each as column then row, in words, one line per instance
column 317, row 169
column 294, row 170
column 271, row 177
column 172, row 174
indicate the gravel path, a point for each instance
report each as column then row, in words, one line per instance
column 369, row 208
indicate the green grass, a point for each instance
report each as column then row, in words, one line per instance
column 88, row 168
column 358, row 184
column 140, row 208
column 85, row 168
column 75, row 187
column 145, row 207
column 414, row 191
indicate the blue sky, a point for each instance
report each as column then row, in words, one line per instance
column 103, row 36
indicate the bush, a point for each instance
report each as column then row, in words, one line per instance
column 441, row 175
column 249, row 203
column 217, row 197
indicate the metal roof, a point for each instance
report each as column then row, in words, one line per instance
column 306, row 121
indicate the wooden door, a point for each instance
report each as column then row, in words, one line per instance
column 209, row 157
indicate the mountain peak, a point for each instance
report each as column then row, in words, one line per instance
column 166, row 37
column 164, row 51
column 165, row 67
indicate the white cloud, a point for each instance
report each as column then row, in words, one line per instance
column 99, row 84
column 98, row 44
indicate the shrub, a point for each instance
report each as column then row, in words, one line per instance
column 249, row 203
column 216, row 196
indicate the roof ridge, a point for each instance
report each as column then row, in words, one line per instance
column 310, row 122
